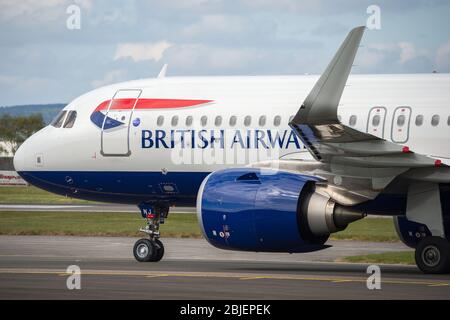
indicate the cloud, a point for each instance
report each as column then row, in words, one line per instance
column 109, row 78
column 202, row 59
column 29, row 89
column 400, row 57
column 328, row 28
column 407, row 51
column 333, row 7
column 142, row 51
column 31, row 11
column 191, row 56
column 213, row 24
column 123, row 40
column 443, row 57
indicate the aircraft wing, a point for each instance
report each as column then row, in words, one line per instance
column 350, row 158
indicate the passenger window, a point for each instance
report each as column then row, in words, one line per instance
column 448, row 121
column 71, row 117
column 247, row 121
column 419, row 120
column 160, row 121
column 218, row 121
column 401, row 120
column 189, row 121
column 352, row 121
column 376, row 121
column 276, row 121
column 233, row 120
column 58, row 121
column 435, row 120
column 204, row 120
column 262, row 121
column 174, row 121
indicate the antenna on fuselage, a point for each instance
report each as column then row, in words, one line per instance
column 162, row 73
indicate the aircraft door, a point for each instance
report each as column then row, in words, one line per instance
column 376, row 121
column 400, row 124
column 116, row 124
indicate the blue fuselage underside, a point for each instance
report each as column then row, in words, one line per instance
column 171, row 188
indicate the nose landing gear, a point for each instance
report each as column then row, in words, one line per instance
column 152, row 249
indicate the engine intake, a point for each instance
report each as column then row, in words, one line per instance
column 267, row 210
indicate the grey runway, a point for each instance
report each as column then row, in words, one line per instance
column 35, row 267
column 95, row 207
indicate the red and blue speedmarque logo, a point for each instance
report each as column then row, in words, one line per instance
column 100, row 119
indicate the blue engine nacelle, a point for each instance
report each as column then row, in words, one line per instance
column 262, row 210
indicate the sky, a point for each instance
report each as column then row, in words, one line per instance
column 43, row 60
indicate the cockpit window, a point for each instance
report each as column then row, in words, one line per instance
column 71, row 117
column 58, row 121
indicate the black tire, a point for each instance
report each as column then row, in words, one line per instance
column 433, row 255
column 144, row 250
column 159, row 251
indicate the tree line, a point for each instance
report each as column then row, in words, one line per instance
column 14, row 130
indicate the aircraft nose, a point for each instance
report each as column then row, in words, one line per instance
column 19, row 158
column 30, row 153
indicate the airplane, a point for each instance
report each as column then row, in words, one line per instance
column 271, row 163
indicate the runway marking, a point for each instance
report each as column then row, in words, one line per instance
column 239, row 276
column 439, row 285
column 157, row 275
column 254, row 278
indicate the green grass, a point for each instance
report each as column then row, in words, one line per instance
column 365, row 229
column 33, row 195
column 368, row 229
column 400, row 257
column 127, row 224
column 93, row 224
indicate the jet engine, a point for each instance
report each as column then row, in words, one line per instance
column 266, row 210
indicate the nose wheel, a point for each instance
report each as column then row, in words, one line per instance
column 159, row 251
column 150, row 249
column 146, row 250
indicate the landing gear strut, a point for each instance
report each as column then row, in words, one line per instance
column 424, row 206
column 151, row 249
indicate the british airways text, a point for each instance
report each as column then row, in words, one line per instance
column 202, row 139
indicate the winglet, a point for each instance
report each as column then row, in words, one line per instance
column 320, row 106
column 162, row 73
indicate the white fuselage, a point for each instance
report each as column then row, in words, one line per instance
column 144, row 144
column 78, row 148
